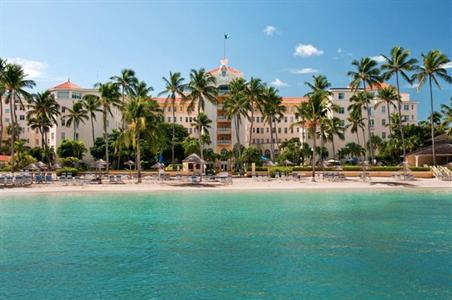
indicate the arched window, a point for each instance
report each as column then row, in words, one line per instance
column 267, row 153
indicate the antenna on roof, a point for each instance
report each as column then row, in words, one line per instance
column 69, row 79
column 226, row 36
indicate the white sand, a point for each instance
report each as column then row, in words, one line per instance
column 241, row 184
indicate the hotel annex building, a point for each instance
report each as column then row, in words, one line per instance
column 222, row 132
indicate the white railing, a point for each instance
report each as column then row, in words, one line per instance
column 224, row 142
column 224, row 130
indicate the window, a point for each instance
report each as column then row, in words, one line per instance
column 76, row 95
column 63, row 135
column 383, row 109
column 186, row 119
column 372, row 123
column 37, row 142
column 291, row 119
column 298, row 129
column 254, row 129
column 285, row 119
column 342, row 122
column 279, row 130
column 63, row 122
column 268, row 129
column 21, row 117
column 76, row 136
column 404, row 118
column 63, row 95
column 406, row 107
column 169, row 109
column 7, row 110
column 370, row 111
column 63, row 109
column 190, row 130
column 383, row 135
column 285, row 130
column 169, row 119
column 341, row 96
column 52, row 136
column 257, row 130
column 412, row 107
column 180, row 119
column 191, row 119
column 7, row 120
column 341, row 110
column 383, row 122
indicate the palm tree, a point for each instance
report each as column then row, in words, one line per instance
column 2, row 92
column 368, row 74
column 201, row 89
column 360, row 101
column 76, row 115
column 431, row 70
column 141, row 89
column 334, row 127
column 109, row 97
column 254, row 92
column 320, row 83
column 446, row 111
column 310, row 113
column 14, row 83
column 272, row 111
column 174, row 88
column 143, row 117
column 388, row 95
column 42, row 114
column 236, row 106
column 356, row 122
column 91, row 104
column 398, row 63
column 202, row 122
column 126, row 81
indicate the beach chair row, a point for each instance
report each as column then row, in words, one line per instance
column 15, row 181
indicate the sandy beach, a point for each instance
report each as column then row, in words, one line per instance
column 239, row 184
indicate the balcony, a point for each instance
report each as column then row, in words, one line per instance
column 222, row 118
column 224, row 142
column 224, row 130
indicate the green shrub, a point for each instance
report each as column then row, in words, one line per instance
column 72, row 171
column 420, row 169
column 6, row 168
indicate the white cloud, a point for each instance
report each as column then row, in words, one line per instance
column 270, row 30
column 304, row 71
column 279, row 83
column 379, row 59
column 306, row 50
column 33, row 68
column 447, row 65
column 339, row 50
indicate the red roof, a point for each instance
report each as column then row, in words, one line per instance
column 68, row 85
column 5, row 157
column 230, row 69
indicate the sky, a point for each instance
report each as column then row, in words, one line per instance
column 284, row 43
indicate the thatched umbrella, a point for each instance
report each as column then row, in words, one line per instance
column 130, row 164
column 56, row 166
column 157, row 166
column 41, row 165
column 288, row 162
column 31, row 167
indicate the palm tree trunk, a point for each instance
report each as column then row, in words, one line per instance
column 123, row 103
column 399, row 105
column 334, row 149
column 174, row 130
column 276, row 134
column 371, row 148
column 252, row 124
column 43, row 153
column 106, row 138
column 389, row 119
column 431, row 121
column 92, row 130
column 272, row 141
column 314, row 144
column 237, row 135
column 357, row 137
column 74, row 130
column 12, row 107
column 138, row 157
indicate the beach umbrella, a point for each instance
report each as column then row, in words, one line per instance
column 157, row 166
column 56, row 166
column 268, row 163
column 288, row 162
column 41, row 165
column 130, row 164
column 31, row 167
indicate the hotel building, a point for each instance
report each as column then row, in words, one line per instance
column 222, row 131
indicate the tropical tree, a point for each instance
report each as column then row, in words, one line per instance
column 174, row 88
column 141, row 89
column 42, row 115
column 310, row 113
column 143, row 117
column 398, row 64
column 254, row 91
column 76, row 115
column 236, row 106
column 109, row 98
column 432, row 69
column 356, row 122
column 14, row 82
column 334, row 128
column 272, row 111
column 366, row 74
column 200, row 90
column 69, row 148
column 387, row 96
column 446, row 111
column 2, row 92
column 126, row 80
column 91, row 104
column 202, row 122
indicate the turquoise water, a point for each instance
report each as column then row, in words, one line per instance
column 207, row 245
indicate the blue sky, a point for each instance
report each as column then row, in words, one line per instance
column 281, row 42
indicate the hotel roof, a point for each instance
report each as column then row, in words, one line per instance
column 68, row 85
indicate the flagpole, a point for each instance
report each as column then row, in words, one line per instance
column 224, row 46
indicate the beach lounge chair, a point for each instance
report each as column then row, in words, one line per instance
column 2, row 181
column 62, row 179
column 119, row 179
column 38, row 178
column 112, row 179
column 9, row 181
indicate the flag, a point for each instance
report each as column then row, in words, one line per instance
column 226, row 36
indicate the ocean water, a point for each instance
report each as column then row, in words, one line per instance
column 213, row 245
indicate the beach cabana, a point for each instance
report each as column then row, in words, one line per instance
column 193, row 164
column 424, row 155
column 41, row 165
